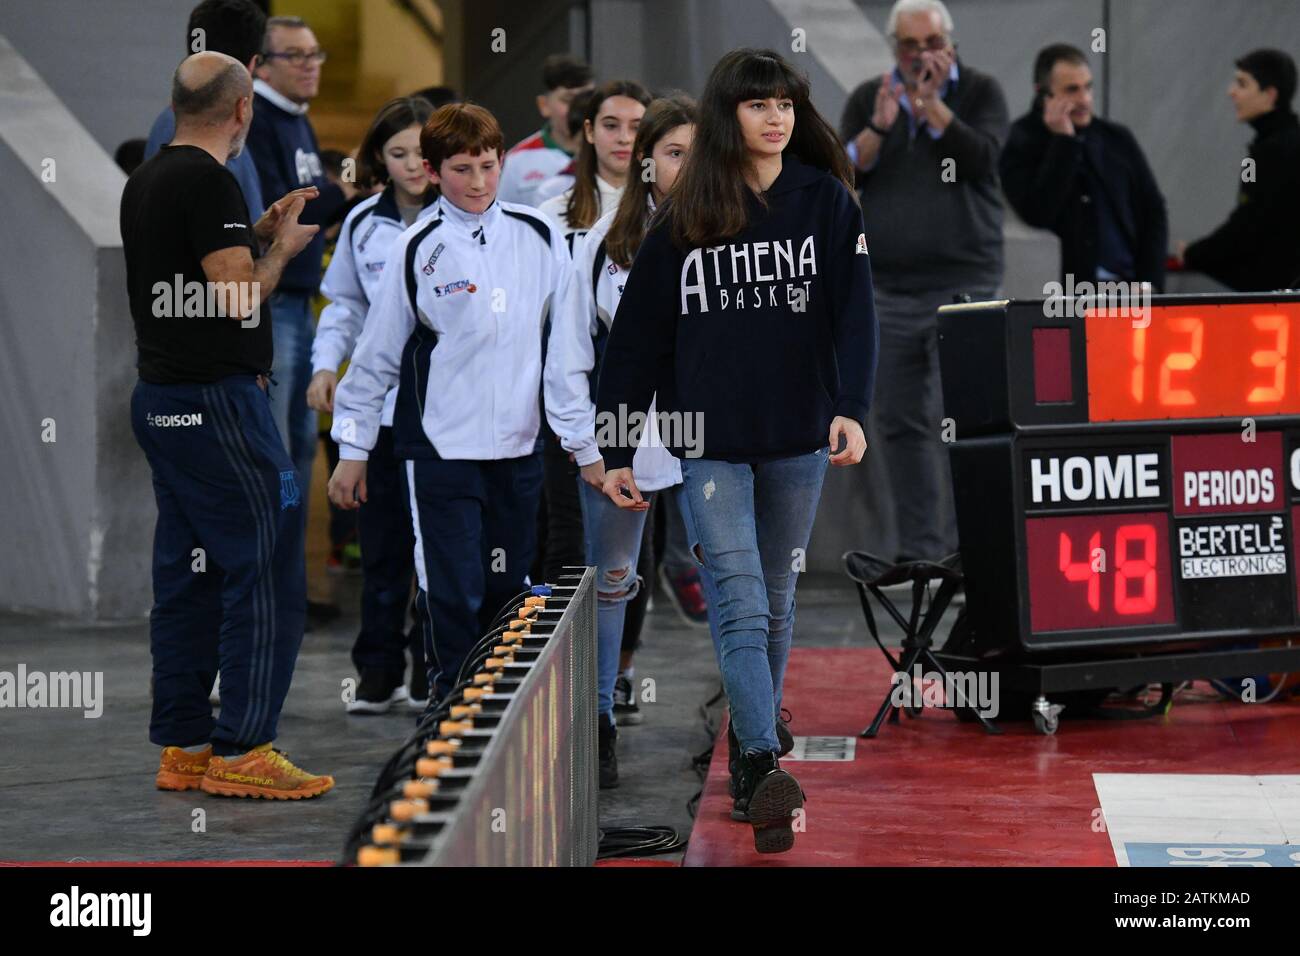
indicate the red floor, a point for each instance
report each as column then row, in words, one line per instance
column 936, row 792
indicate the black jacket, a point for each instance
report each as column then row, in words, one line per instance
column 1044, row 179
column 762, row 339
column 1258, row 248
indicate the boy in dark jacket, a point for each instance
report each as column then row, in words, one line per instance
column 1257, row 248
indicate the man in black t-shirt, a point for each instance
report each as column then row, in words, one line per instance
column 228, row 572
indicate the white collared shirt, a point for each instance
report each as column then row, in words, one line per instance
column 262, row 88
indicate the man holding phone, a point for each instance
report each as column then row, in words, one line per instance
column 1085, row 178
column 925, row 140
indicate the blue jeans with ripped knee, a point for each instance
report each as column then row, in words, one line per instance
column 613, row 540
column 751, row 524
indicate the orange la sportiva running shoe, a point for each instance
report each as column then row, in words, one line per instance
column 181, row 770
column 262, row 772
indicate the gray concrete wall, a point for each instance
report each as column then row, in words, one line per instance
column 78, row 517
column 673, row 44
column 109, row 61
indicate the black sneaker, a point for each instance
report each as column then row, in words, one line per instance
column 768, row 798
column 606, row 745
column 626, row 710
column 418, row 693
column 783, row 735
column 379, row 691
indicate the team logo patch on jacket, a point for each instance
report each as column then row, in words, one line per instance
column 461, row 285
column 290, row 496
column 861, row 248
column 433, row 260
column 360, row 246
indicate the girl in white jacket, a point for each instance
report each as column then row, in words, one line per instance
column 611, row 117
column 602, row 259
column 389, row 156
column 609, row 128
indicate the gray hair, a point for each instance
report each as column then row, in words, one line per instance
column 285, row 23
column 918, row 6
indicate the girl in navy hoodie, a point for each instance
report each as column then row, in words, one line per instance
column 748, row 319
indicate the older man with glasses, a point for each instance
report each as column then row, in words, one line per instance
column 284, row 148
column 925, row 140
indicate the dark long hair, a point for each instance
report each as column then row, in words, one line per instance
column 629, row 226
column 393, row 117
column 710, row 197
column 584, row 202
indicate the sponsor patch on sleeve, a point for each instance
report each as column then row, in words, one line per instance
column 861, row 248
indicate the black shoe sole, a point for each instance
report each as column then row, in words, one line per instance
column 775, row 799
column 608, row 784
column 627, row 718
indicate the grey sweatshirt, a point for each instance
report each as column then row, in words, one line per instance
column 924, row 231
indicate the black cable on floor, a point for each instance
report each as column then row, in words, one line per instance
column 638, row 841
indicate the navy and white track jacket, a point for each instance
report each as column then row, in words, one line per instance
column 352, row 280
column 457, row 324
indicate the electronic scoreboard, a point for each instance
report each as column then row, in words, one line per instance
column 1126, row 476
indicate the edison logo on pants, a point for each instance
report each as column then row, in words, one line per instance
column 173, row 421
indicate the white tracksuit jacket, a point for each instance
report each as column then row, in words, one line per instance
column 457, row 325
column 556, row 205
column 352, row 281
column 579, row 330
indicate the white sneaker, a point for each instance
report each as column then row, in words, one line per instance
column 370, row 699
